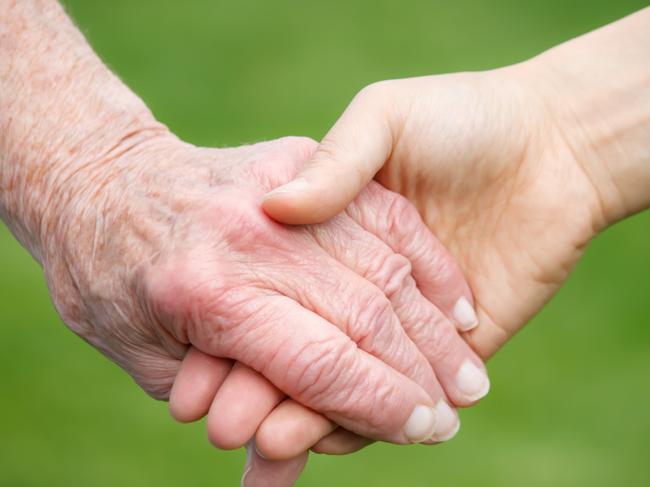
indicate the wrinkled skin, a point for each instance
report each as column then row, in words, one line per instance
column 152, row 247
column 173, row 249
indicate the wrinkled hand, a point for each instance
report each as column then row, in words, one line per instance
column 166, row 246
column 492, row 177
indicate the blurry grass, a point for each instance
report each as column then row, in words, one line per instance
column 570, row 404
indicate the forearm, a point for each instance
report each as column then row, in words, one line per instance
column 597, row 88
column 62, row 115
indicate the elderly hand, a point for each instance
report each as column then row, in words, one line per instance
column 382, row 239
column 167, row 246
column 150, row 245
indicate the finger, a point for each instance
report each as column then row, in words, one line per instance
column 300, row 352
column 242, row 402
column 457, row 367
column 196, row 384
column 312, row 361
column 340, row 442
column 327, row 287
column 395, row 221
column 260, row 472
column 346, row 160
column 290, row 429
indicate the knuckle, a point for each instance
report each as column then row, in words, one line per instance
column 187, row 286
column 384, row 399
column 411, row 313
column 372, row 327
column 402, row 217
column 345, row 387
column 390, row 274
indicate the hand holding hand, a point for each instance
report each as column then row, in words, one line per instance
column 514, row 170
column 186, row 256
column 150, row 245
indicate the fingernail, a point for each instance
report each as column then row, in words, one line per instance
column 465, row 314
column 296, row 186
column 250, row 449
column 421, row 424
column 447, row 422
column 472, row 381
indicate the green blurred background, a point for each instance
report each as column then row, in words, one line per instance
column 570, row 404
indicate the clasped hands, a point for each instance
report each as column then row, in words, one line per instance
column 358, row 324
column 318, row 296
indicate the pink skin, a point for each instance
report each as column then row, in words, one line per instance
column 335, row 328
column 151, row 246
column 400, row 257
column 220, row 275
column 392, row 300
column 240, row 405
column 237, row 402
column 186, row 256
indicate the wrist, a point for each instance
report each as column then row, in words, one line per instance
column 64, row 117
column 596, row 92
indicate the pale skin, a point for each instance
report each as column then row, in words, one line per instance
column 516, row 170
column 152, row 247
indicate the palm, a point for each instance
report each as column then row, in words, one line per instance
column 503, row 194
